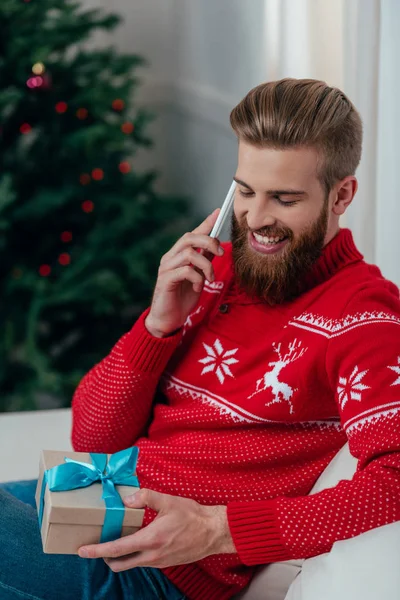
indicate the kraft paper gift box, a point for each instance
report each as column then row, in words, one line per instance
column 71, row 518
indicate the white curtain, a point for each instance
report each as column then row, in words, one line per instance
column 372, row 80
column 355, row 45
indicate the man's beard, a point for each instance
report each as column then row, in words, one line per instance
column 277, row 278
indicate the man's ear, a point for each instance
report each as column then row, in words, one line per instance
column 345, row 192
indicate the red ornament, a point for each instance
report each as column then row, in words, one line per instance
column 98, row 174
column 64, row 259
column 87, row 206
column 127, row 128
column 66, row 236
column 46, row 81
column 61, row 107
column 84, row 179
column 118, row 104
column 25, row 128
column 82, row 113
column 124, row 167
column 44, row 270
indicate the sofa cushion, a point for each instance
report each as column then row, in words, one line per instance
column 272, row 582
column 366, row 567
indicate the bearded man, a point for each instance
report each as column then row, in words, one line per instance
column 255, row 363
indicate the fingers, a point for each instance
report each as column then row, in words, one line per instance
column 121, row 547
column 185, row 274
column 138, row 559
column 150, row 558
column 199, row 238
column 187, row 257
column 206, row 226
column 190, row 259
column 145, row 497
column 195, row 240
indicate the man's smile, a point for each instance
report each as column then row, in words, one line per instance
column 266, row 244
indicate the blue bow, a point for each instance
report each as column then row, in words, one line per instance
column 74, row 474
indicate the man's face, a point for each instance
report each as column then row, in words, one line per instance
column 281, row 220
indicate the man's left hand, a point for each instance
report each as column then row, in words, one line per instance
column 184, row 531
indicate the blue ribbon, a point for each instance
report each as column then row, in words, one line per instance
column 74, row 474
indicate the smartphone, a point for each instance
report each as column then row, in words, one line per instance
column 225, row 209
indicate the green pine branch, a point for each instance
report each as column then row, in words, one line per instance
column 67, row 165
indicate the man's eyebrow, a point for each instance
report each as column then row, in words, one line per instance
column 242, row 183
column 273, row 192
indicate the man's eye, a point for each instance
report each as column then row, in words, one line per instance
column 248, row 194
column 245, row 194
column 283, row 202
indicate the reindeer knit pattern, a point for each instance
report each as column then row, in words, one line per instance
column 248, row 404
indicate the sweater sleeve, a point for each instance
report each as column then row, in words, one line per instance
column 113, row 402
column 363, row 369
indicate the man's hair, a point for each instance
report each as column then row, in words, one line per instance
column 292, row 113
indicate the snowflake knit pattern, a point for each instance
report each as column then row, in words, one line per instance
column 248, row 404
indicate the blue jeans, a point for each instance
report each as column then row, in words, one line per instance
column 26, row 573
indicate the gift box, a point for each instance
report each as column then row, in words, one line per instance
column 79, row 498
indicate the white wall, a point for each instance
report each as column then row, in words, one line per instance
column 386, row 190
column 304, row 38
column 204, row 56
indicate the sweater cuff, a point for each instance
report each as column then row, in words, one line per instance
column 255, row 532
column 146, row 353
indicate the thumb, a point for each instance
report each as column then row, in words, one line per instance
column 143, row 498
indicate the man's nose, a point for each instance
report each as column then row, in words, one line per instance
column 259, row 215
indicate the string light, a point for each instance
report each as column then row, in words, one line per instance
column 85, row 179
column 25, row 128
column 64, row 259
column 124, row 167
column 87, row 206
column 61, row 107
column 118, row 104
column 38, row 68
column 97, row 174
column 82, row 113
column 66, row 236
column 127, row 128
column 35, row 82
column 44, row 270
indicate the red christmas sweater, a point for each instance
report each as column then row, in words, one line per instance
column 248, row 404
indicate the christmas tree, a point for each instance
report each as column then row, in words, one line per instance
column 81, row 232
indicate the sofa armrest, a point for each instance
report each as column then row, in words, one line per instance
column 24, row 434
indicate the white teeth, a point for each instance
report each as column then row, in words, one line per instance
column 262, row 239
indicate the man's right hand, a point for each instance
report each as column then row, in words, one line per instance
column 181, row 278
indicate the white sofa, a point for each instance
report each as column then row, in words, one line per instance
column 366, row 567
